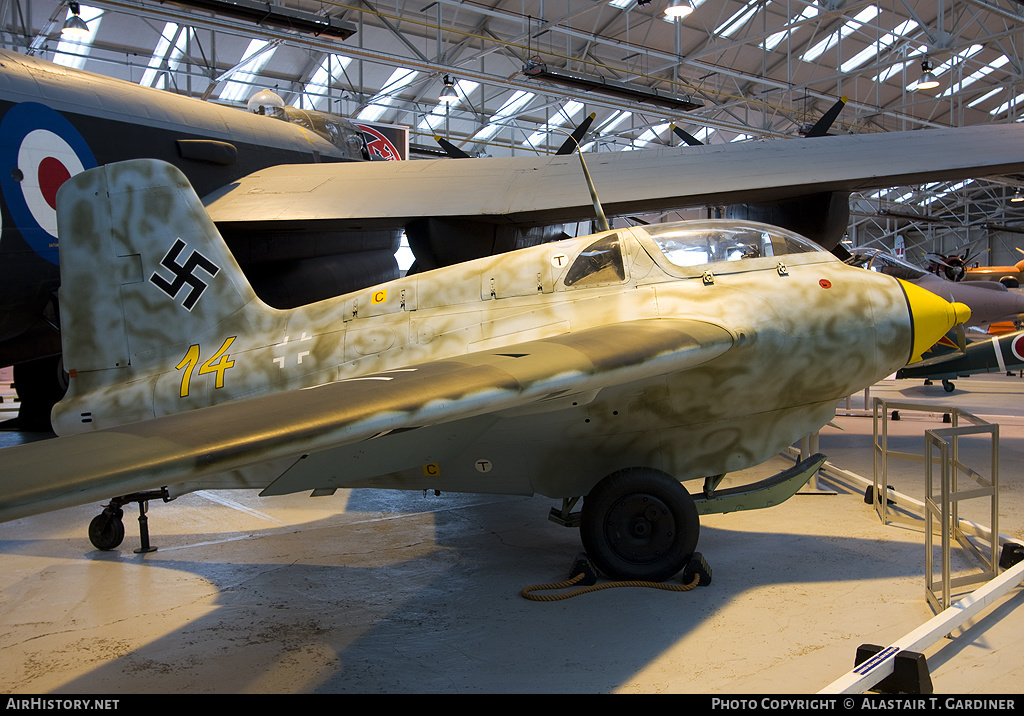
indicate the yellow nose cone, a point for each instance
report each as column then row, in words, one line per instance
column 932, row 316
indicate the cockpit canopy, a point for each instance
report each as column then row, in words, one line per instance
column 337, row 130
column 875, row 260
column 693, row 243
column 685, row 244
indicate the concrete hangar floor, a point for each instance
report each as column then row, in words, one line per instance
column 385, row 592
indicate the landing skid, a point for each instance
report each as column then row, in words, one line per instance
column 757, row 495
column 765, row 493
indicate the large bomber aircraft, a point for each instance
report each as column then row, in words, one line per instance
column 610, row 367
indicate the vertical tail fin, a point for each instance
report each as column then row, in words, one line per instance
column 144, row 273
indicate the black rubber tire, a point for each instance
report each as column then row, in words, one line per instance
column 106, row 531
column 948, row 386
column 639, row 524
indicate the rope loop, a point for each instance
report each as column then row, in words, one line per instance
column 527, row 592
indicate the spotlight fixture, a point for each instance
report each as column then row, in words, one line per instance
column 1017, row 197
column 74, row 27
column 678, row 10
column 448, row 95
column 928, row 80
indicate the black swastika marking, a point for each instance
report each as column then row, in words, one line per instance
column 183, row 274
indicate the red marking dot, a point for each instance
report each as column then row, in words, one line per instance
column 825, row 283
column 52, row 174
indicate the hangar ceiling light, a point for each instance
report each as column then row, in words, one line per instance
column 263, row 13
column 74, row 27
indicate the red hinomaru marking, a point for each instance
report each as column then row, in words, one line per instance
column 1016, row 347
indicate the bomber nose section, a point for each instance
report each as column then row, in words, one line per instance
column 931, row 316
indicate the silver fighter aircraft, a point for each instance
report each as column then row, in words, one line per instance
column 611, row 367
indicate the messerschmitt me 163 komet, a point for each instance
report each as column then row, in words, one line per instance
column 611, row 367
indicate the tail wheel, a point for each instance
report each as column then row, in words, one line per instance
column 106, row 531
column 639, row 524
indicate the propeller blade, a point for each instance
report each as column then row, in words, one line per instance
column 961, row 337
column 450, row 149
column 821, row 127
column 686, row 136
column 569, row 145
column 941, row 260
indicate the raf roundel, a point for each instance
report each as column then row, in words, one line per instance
column 41, row 150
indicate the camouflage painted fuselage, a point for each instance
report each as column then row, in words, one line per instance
column 795, row 333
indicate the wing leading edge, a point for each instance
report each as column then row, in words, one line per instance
column 537, row 190
column 181, row 448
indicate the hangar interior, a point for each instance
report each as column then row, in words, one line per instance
column 728, row 71
column 402, row 592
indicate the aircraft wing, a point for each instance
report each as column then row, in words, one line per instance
column 546, row 190
column 179, row 448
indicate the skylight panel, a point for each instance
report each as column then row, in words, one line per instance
column 823, row 46
column 1005, row 106
column 512, row 106
column 241, row 86
column 877, row 48
column 621, row 4
column 773, row 41
column 738, row 20
column 949, row 190
column 165, row 54
column 73, row 53
column 891, row 71
column 613, row 121
column 318, row 87
column 988, row 95
column 647, row 137
column 562, row 116
column 432, row 121
column 967, row 81
column 163, row 46
column 399, row 79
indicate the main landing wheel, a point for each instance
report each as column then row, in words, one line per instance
column 639, row 524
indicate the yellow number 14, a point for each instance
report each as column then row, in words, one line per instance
column 217, row 363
